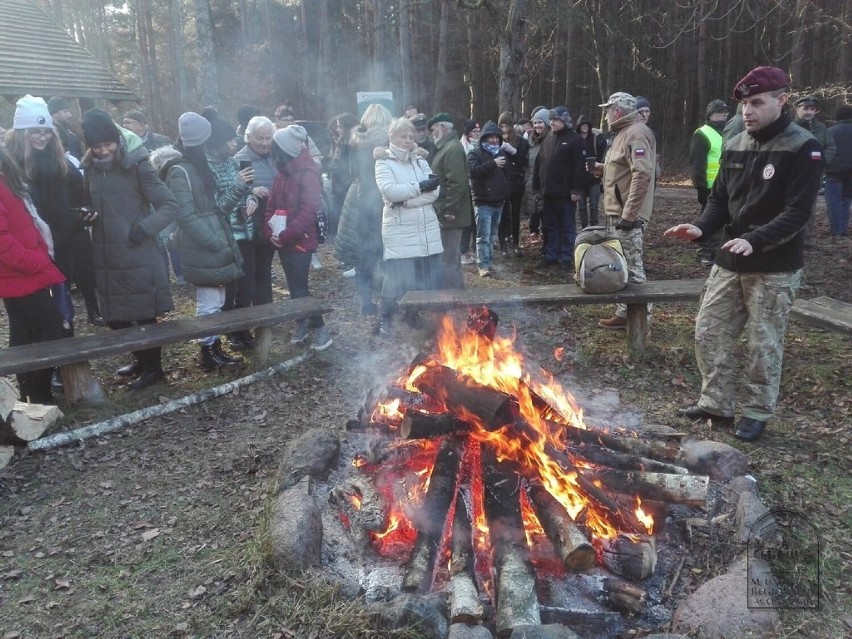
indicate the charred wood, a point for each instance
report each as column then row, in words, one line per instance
column 362, row 505
column 419, row 425
column 624, row 596
column 634, row 557
column 624, row 461
column 430, row 519
column 465, row 606
column 585, row 622
column 492, row 407
column 574, row 549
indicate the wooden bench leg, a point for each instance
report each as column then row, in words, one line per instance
column 80, row 385
column 262, row 345
column 637, row 326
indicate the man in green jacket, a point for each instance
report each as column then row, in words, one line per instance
column 453, row 205
column 806, row 109
column 705, row 153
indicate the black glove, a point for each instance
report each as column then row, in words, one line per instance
column 137, row 235
column 625, row 225
column 429, row 184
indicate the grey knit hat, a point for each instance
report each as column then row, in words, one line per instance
column 291, row 139
column 543, row 115
column 194, row 129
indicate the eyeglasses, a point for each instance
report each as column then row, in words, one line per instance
column 285, row 118
column 40, row 134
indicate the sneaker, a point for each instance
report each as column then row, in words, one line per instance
column 300, row 334
column 352, row 272
column 706, row 263
column 315, row 262
column 485, row 272
column 322, row 340
column 517, row 251
column 467, row 258
column 615, row 323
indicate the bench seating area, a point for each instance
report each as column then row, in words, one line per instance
column 825, row 312
column 73, row 353
column 636, row 296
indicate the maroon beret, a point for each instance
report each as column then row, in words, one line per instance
column 760, row 80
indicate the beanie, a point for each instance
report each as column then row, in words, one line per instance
column 136, row 115
column 32, row 113
column 291, row 139
column 561, row 113
column 98, row 127
column 246, row 113
column 542, row 114
column 642, row 102
column 221, row 133
column 716, row 106
column 506, row 118
column 536, row 110
column 469, row 126
column 56, row 104
column 194, row 130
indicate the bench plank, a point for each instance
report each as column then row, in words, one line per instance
column 825, row 312
column 569, row 294
column 81, row 348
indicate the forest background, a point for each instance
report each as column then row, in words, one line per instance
column 472, row 58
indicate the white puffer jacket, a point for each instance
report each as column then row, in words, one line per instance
column 409, row 225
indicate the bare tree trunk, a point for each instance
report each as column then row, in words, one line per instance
column 176, row 47
column 844, row 68
column 440, row 91
column 472, row 75
column 145, row 75
column 702, row 53
column 570, row 42
column 208, row 75
column 511, row 57
column 379, row 54
column 406, row 53
column 799, row 44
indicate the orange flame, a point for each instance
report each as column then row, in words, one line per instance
column 646, row 519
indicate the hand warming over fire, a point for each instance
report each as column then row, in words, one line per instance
column 684, row 232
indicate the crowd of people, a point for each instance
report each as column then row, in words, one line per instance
column 409, row 202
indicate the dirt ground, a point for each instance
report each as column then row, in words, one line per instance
column 158, row 530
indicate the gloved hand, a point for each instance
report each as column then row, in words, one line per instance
column 429, row 184
column 508, row 148
column 624, row 225
column 137, row 235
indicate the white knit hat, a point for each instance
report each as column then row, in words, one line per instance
column 32, row 113
column 291, row 139
column 194, row 129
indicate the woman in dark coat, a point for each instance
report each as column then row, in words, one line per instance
column 26, row 274
column 133, row 206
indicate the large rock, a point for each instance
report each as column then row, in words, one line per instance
column 753, row 520
column 718, row 609
column 720, row 461
column 466, row 631
column 547, row 631
column 296, row 528
column 428, row 613
column 313, row 454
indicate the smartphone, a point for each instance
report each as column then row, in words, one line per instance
column 590, row 163
column 246, row 164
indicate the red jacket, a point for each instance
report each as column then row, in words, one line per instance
column 25, row 264
column 297, row 189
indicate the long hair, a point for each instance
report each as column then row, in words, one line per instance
column 197, row 157
column 21, row 149
column 12, row 174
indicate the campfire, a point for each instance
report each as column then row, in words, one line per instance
column 485, row 480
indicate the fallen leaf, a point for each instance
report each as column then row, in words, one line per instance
column 196, row 593
column 51, row 604
column 61, row 584
column 182, row 627
column 148, row 535
column 27, row 599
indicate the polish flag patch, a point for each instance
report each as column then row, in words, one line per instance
column 816, row 155
column 639, row 153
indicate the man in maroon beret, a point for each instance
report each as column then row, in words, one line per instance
column 761, row 200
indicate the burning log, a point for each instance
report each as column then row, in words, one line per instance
column 681, row 489
column 574, row 549
column 494, row 408
column 465, row 606
column 517, row 603
column 660, row 448
column 362, row 505
column 419, row 425
column 624, row 596
column 623, row 461
column 631, row 556
column 431, row 518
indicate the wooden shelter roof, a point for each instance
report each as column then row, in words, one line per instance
column 37, row 56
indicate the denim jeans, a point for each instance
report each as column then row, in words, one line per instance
column 587, row 207
column 558, row 220
column 487, row 224
column 209, row 300
column 838, row 197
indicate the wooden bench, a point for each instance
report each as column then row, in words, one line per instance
column 73, row 353
column 636, row 296
column 825, row 312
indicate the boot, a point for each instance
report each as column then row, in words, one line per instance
column 94, row 313
column 237, row 342
column 212, row 357
column 230, row 360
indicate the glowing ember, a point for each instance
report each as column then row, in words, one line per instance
column 558, row 353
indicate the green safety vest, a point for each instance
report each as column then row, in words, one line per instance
column 714, row 154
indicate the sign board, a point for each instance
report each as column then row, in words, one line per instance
column 366, row 98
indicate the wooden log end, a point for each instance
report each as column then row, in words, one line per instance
column 630, row 556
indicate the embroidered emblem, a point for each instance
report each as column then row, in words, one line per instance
column 639, row 153
column 816, row 155
column 768, row 172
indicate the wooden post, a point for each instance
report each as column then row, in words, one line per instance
column 80, row 385
column 637, row 326
column 262, row 345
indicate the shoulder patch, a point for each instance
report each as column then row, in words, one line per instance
column 816, row 155
column 768, row 172
column 639, row 153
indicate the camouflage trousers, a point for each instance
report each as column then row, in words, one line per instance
column 631, row 244
column 758, row 303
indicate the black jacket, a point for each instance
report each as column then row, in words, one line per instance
column 488, row 182
column 842, row 161
column 764, row 193
column 560, row 167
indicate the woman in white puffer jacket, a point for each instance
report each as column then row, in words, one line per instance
column 411, row 234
